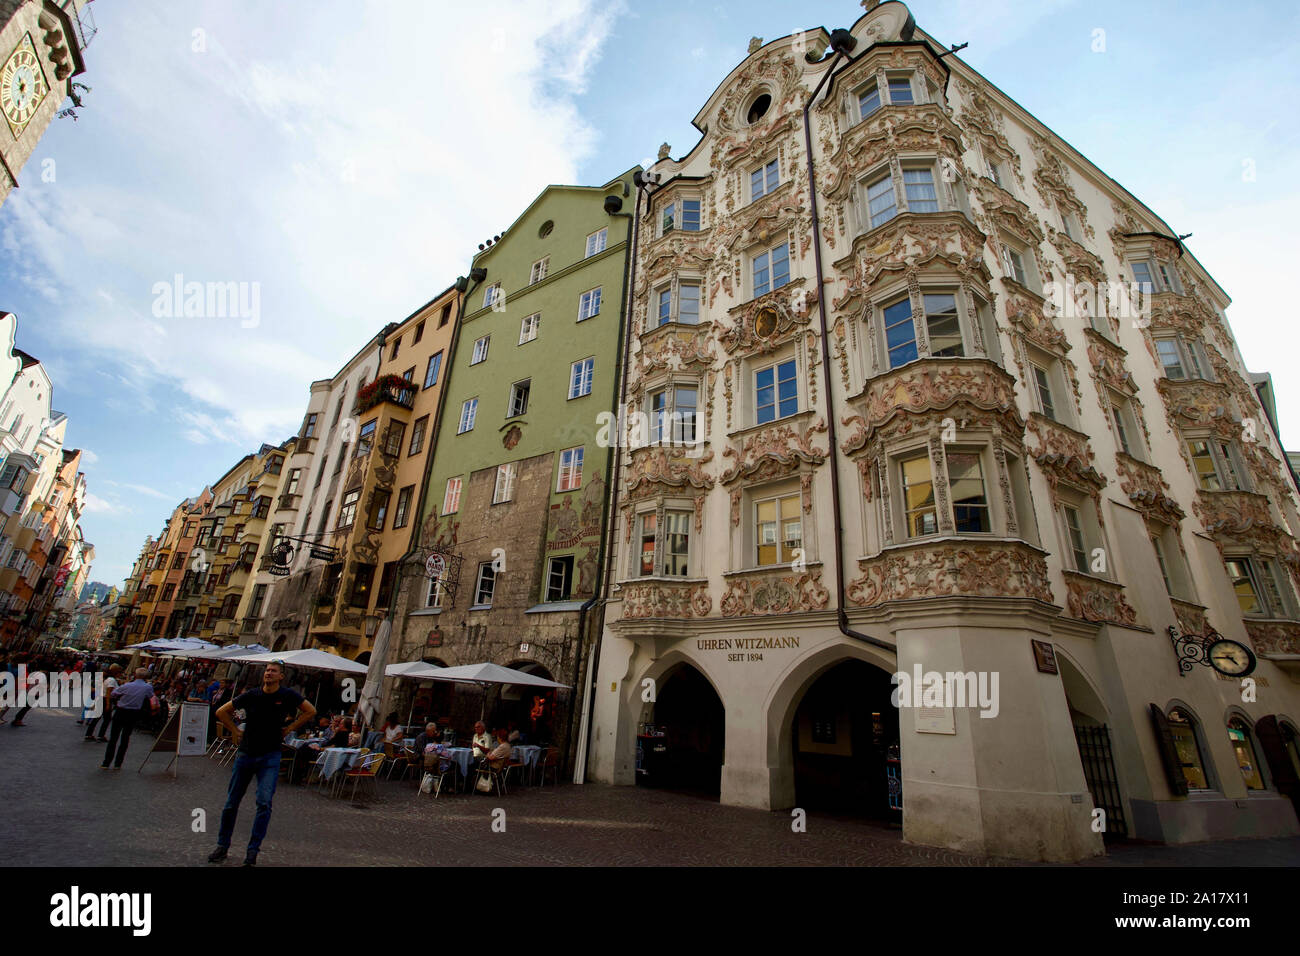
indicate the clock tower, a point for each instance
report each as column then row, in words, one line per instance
column 41, row 47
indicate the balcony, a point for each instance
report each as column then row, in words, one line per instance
column 929, row 568
column 1273, row 638
column 1097, row 600
column 287, row 502
column 665, row 598
column 387, row 388
column 1232, row 517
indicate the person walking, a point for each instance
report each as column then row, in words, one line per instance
column 266, row 713
column 130, row 701
column 111, row 683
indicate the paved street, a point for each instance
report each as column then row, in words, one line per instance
column 70, row 812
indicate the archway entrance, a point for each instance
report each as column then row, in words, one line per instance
column 683, row 748
column 845, row 743
column 1088, row 716
column 529, row 710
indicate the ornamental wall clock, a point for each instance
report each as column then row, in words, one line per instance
column 22, row 86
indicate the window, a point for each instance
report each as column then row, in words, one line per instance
column 395, row 438
column 776, row 392
column 1163, row 562
column 169, row 591
column 596, row 242
column 1182, row 359
column 1243, row 748
column 518, row 404
column 942, row 325
column 919, row 511
column 1216, row 465
column 677, row 540
column 1013, row 264
column 1126, row 427
column 431, row 374
column 688, row 304
column 348, row 510
column 918, row 186
column 538, row 271
column 386, row 579
column 397, row 344
column 1074, row 534
column 559, row 578
column 763, row 180
column 570, row 475
column 378, row 510
column 589, row 303
column 672, row 414
column 451, row 497
column 178, row 560
column 1142, row 277
column 362, row 578
column 900, row 333
column 1183, row 729
column 419, row 333
column 682, row 214
column 402, row 514
column 366, row 438
column 970, row 504
column 1155, row 276
column 505, row 486
column 771, row 269
column 900, row 90
column 778, row 529
column 433, row 596
column 309, row 426
column 486, row 584
column 446, row 315
column 295, row 475
column 480, row 350
column 882, row 205
column 649, row 530
column 1070, row 224
column 467, row 413
column 1255, row 582
column 417, row 435
column 528, row 327
column 996, row 173
column 868, row 99
column 1043, row 389
column 580, row 375
column 492, row 294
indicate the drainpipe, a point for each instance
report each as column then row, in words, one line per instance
column 842, row 42
column 613, row 472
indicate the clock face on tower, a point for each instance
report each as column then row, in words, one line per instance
column 22, row 86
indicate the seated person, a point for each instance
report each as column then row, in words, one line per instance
column 430, row 735
column 306, row 755
column 354, row 736
column 498, row 756
column 482, row 740
column 513, row 735
column 392, row 734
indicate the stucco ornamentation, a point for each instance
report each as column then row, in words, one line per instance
column 760, row 593
column 948, row 569
column 1092, row 599
column 779, row 449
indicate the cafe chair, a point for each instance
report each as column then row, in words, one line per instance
column 498, row 778
column 404, row 760
column 549, row 761
column 439, row 779
column 317, row 768
column 366, row 769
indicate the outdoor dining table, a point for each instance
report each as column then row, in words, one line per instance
column 527, row 754
column 338, row 758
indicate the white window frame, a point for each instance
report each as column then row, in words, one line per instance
column 468, row 413
column 487, row 575
column 1192, row 361
column 676, row 211
column 569, row 473
column 755, row 504
column 491, row 294
column 538, row 271
column 589, row 303
column 597, row 242
column 567, row 574
column 451, row 495
column 504, row 489
column 582, row 375
column 480, row 349
column 677, row 426
column 529, row 326
column 512, row 401
column 767, row 253
column 766, row 171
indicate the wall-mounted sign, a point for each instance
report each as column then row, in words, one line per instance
column 434, row 639
column 523, row 648
column 936, row 720
column 1045, row 657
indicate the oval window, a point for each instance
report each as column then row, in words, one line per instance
column 758, row 109
column 546, row 229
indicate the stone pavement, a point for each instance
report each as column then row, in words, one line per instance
column 70, row 812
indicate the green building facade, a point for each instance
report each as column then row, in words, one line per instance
column 515, row 499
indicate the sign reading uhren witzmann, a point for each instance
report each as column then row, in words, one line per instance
column 745, row 648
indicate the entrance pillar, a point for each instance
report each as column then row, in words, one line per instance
column 1009, row 784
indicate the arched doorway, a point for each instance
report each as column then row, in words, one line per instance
column 529, row 710
column 684, row 746
column 1089, row 716
column 845, row 743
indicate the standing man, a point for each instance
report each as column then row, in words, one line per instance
column 266, row 712
column 130, row 701
column 111, row 683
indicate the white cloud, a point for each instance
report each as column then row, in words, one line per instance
column 98, row 505
column 88, row 457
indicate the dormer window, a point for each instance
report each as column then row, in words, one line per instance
column 898, row 91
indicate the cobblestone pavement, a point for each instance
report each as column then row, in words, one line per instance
column 70, row 812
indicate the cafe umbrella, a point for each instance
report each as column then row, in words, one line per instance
column 485, row 675
column 413, row 670
column 308, row 658
column 369, row 702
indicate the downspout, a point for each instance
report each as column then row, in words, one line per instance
column 842, row 42
column 605, row 574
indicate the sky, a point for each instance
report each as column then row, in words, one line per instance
column 340, row 161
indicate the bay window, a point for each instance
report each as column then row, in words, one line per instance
column 1216, row 465
column 683, row 214
column 684, row 309
column 1182, row 359
column 1256, row 583
column 919, row 512
column 672, row 414
column 666, row 534
column 778, row 529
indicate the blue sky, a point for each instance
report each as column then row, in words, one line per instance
column 348, row 157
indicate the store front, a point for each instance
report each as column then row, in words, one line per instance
column 682, row 744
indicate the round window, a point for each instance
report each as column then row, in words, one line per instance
column 546, row 229
column 758, row 109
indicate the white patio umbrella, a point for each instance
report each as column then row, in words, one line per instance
column 309, row 658
column 370, row 691
column 413, row 670
column 487, row 674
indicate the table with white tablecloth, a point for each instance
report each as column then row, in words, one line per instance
column 338, row 758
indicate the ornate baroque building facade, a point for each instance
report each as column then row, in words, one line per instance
column 905, row 421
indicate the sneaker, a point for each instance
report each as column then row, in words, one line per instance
column 217, row 855
column 250, row 858
column 104, row 766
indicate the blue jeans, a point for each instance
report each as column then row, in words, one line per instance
column 267, row 769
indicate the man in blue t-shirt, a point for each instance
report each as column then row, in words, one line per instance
column 267, row 711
